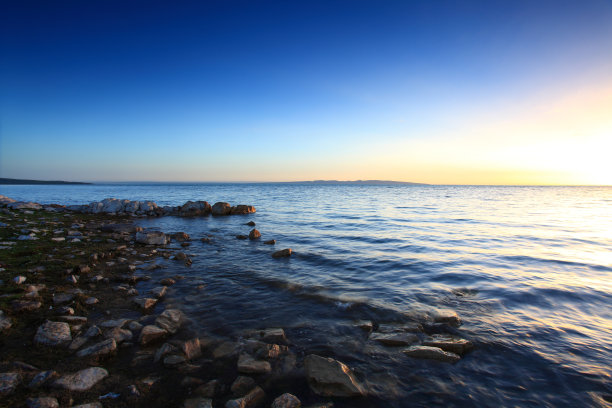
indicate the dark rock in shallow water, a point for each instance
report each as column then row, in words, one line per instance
column 282, row 253
column 254, row 234
column 241, row 236
column 42, row 402
column 151, row 238
column 197, row 403
column 252, row 399
column 242, row 209
column 431, row 353
column 250, row 223
column 453, row 344
column 121, row 228
column 9, row 382
column 53, row 334
column 270, row 242
column 287, row 401
column 82, row 380
column 242, row 385
column 191, row 209
column 395, row 339
column 331, row 378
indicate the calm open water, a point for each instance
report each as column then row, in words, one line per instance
column 528, row 269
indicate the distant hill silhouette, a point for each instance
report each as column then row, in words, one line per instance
column 362, row 182
column 20, row 181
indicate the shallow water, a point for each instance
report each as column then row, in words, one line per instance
column 528, row 269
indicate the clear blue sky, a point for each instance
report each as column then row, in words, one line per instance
column 231, row 90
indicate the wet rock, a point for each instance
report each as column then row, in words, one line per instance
column 250, row 223
column 82, row 380
column 173, row 360
column 191, row 382
column 252, row 399
column 93, row 331
column 89, row 405
column 254, row 234
column 53, row 334
column 61, row 298
column 242, row 385
column 180, row 236
column 119, row 335
column 151, row 333
column 206, row 240
column 135, row 326
column 78, row 342
column 167, row 281
column 240, row 236
column 126, row 228
column 198, row 403
column 5, row 322
column 248, row 365
column 25, row 305
column 166, row 348
column 158, row 292
column 212, row 389
column 221, row 208
column 191, row 348
column 103, row 348
column 242, row 209
column 282, row 253
column 90, row 301
column 145, row 303
column 270, row 242
column 449, row 343
column 9, row 382
column 170, row 320
column 365, row 325
column 42, row 378
column 73, row 319
column 152, row 238
column 192, row 209
column 132, row 391
column 331, row 378
column 269, row 335
column 447, row 316
column 287, row 401
column 395, row 339
column 225, row 350
column 431, row 353
column 114, row 323
column 82, row 269
column 42, row 402
column 180, row 256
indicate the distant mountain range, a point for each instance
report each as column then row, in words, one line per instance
column 19, row 181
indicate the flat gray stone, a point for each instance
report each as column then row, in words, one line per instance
column 198, row 403
column 331, row 378
column 449, row 343
column 248, row 365
column 151, row 333
column 9, row 382
column 431, row 353
column 170, row 320
column 56, row 334
column 82, row 380
column 105, row 347
column 395, row 339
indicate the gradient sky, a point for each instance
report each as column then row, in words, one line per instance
column 462, row 92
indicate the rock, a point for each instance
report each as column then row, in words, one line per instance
column 449, row 343
column 270, row 242
column 5, row 322
column 78, row 342
column 72, row 279
column 93, row 331
column 282, row 253
column 173, row 360
column 180, row 236
column 119, row 335
column 270, row 335
column 365, row 325
column 191, row 348
column 19, row 279
column 89, row 405
column 221, row 208
column 254, row 234
column 252, row 399
column 242, row 385
column 90, row 301
column 242, row 209
column 8, row 383
column 206, row 240
column 158, row 292
column 248, row 365
column 103, row 348
column 42, row 402
column 250, row 223
column 73, row 319
column 82, row 380
column 25, row 305
column 152, row 238
column 134, row 326
column 225, row 350
column 240, row 236
column 395, row 339
column 287, row 401
column 126, row 228
column 192, row 209
column 331, row 378
column 53, row 334
column 133, row 391
column 166, row 348
column 42, row 378
column 180, row 256
column 145, row 303
column 431, row 353
column 198, row 403
column 170, row 320
column 60, row 298
column 447, row 316
column 167, row 281
column 58, row 239
column 211, row 389
column 151, row 333
column 82, row 270
column 114, row 323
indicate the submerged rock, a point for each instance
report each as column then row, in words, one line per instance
column 447, row 316
column 450, row 343
column 431, row 353
column 53, row 334
column 287, row 401
column 170, row 320
column 252, row 399
column 242, row 385
column 82, row 380
column 9, row 382
column 282, row 253
column 42, row 402
column 152, row 238
column 331, row 378
column 270, row 242
column 151, row 333
column 247, row 364
column 395, row 339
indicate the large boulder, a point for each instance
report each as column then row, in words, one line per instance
column 53, row 334
column 242, row 209
column 152, row 238
column 82, row 380
column 221, row 208
column 194, row 208
column 112, row 205
column 331, row 378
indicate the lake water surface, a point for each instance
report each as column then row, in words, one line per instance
column 528, row 269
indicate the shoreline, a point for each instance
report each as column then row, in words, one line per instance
column 88, row 285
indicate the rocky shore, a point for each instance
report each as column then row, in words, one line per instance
column 78, row 330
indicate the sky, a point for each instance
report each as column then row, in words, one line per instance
column 441, row 92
